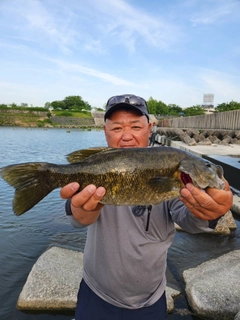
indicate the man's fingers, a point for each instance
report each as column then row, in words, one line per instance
column 209, row 204
column 69, row 190
column 88, row 198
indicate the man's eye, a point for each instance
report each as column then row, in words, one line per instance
column 136, row 127
column 117, row 129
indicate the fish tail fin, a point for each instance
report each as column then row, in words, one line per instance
column 30, row 183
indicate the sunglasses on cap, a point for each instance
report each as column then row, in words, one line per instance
column 126, row 100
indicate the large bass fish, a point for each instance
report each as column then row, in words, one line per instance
column 131, row 176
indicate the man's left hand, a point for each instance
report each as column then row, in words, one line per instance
column 209, row 204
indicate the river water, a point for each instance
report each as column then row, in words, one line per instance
column 23, row 239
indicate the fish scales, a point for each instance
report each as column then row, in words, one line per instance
column 131, row 176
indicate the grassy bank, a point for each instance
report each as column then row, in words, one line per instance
column 26, row 117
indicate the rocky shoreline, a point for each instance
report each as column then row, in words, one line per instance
column 193, row 137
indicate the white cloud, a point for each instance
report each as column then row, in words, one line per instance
column 69, row 68
column 35, row 22
column 211, row 12
column 125, row 24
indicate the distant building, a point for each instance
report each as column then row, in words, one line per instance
column 208, row 103
column 208, row 109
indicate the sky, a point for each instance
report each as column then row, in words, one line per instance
column 171, row 50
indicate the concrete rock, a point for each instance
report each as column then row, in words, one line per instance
column 213, row 287
column 205, row 142
column 53, row 282
column 224, row 226
column 170, row 295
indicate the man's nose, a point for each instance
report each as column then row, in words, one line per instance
column 127, row 135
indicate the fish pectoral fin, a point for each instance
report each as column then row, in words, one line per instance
column 78, row 155
column 162, row 184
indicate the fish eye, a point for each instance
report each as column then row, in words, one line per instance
column 208, row 164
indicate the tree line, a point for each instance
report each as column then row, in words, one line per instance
column 157, row 107
column 160, row 108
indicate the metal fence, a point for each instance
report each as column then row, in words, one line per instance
column 229, row 120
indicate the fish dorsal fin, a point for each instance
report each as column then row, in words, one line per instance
column 78, row 155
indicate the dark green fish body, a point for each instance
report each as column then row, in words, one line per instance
column 131, row 176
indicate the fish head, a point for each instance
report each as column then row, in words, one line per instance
column 201, row 173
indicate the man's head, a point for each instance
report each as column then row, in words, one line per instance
column 127, row 122
column 126, row 101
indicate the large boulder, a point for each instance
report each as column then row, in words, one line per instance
column 53, row 282
column 213, row 287
column 224, row 226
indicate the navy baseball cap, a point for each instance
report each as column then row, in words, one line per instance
column 126, row 101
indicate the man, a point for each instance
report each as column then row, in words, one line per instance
column 153, row 134
column 125, row 253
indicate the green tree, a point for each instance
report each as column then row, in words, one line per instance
column 152, row 105
column 174, row 109
column 156, row 107
column 76, row 103
column 24, row 105
column 58, row 105
column 161, row 108
column 233, row 105
column 194, row 111
column 47, row 105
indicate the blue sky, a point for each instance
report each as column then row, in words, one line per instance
column 172, row 50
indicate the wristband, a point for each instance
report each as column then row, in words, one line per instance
column 68, row 207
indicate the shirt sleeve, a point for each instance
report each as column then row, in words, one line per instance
column 186, row 220
column 75, row 223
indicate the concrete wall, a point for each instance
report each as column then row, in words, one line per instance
column 222, row 120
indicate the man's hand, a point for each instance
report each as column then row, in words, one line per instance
column 85, row 205
column 207, row 205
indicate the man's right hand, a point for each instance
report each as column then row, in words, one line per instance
column 85, row 204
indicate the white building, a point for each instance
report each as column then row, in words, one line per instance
column 208, row 103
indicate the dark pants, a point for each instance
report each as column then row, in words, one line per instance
column 91, row 307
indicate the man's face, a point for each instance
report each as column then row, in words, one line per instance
column 127, row 129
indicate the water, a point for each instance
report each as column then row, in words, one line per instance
column 23, row 239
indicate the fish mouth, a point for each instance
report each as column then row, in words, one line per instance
column 213, row 178
column 185, row 177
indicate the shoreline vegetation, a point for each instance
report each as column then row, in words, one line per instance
column 22, row 117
